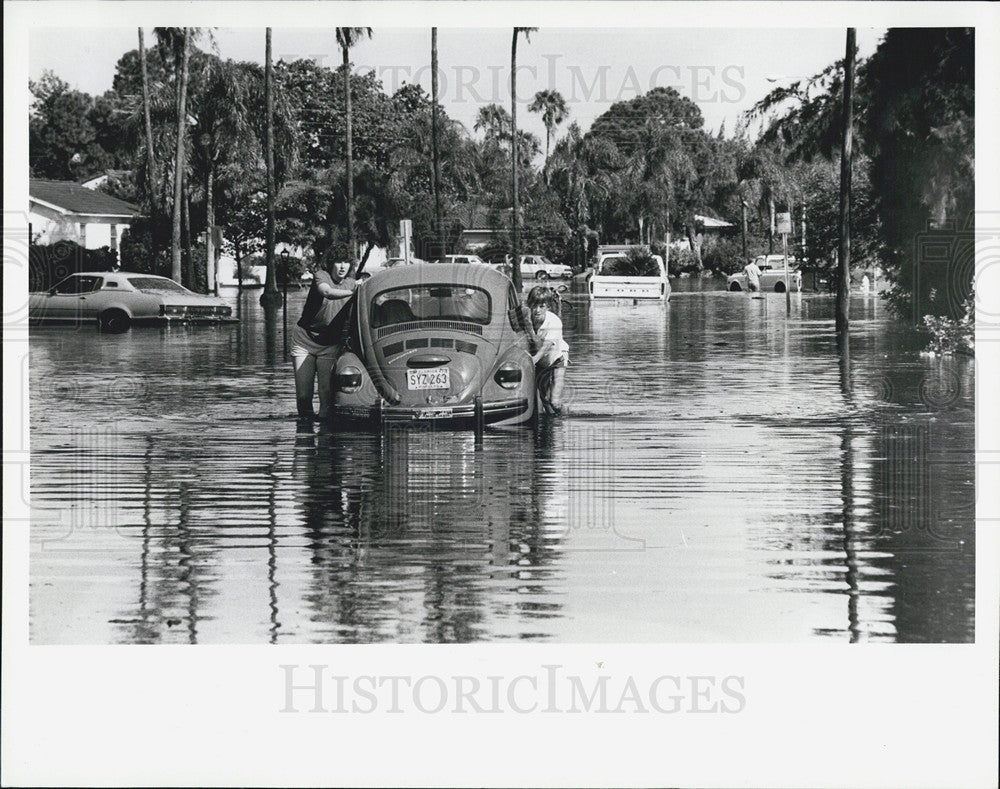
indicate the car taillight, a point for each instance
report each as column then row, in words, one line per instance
column 172, row 309
column 508, row 376
column 348, row 380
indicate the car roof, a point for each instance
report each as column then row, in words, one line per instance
column 437, row 273
column 115, row 274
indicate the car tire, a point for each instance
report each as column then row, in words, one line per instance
column 779, row 287
column 735, row 287
column 541, row 275
column 114, row 322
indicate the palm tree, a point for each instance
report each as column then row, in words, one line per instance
column 514, row 251
column 552, row 106
column 583, row 175
column 494, row 121
column 270, row 297
column 435, row 156
column 150, row 157
column 844, row 256
column 347, row 37
column 176, row 272
column 225, row 133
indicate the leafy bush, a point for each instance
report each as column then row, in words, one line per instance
column 136, row 251
column 953, row 336
column 51, row 263
column 723, row 256
column 681, row 261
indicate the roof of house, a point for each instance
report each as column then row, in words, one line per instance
column 73, row 198
column 710, row 222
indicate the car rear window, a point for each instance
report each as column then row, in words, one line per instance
column 629, row 267
column 431, row 302
column 78, row 284
column 156, row 285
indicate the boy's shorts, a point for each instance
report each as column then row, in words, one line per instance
column 543, row 370
column 303, row 345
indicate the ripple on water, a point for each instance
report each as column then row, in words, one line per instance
column 721, row 477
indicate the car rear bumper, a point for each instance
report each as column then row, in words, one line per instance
column 162, row 320
column 457, row 416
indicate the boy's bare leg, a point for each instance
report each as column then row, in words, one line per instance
column 324, row 371
column 305, row 374
column 556, row 389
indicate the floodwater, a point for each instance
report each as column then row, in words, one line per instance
column 724, row 475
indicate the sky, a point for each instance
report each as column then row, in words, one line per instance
column 723, row 70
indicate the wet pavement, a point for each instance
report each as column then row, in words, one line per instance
column 725, row 474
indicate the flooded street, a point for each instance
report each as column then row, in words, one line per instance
column 724, row 475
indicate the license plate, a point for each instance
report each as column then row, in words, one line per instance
column 435, row 413
column 437, row 378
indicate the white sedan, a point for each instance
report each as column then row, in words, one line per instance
column 772, row 275
column 117, row 300
column 540, row 267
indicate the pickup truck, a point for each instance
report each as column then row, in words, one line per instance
column 605, row 283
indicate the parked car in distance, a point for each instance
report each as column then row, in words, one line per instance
column 118, row 300
column 427, row 342
column 474, row 259
column 772, row 275
column 540, row 267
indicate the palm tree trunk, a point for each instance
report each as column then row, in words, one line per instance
column 176, row 272
column 150, row 157
column 514, row 251
column 351, row 240
column 270, row 297
column 436, row 162
column 211, row 274
column 189, row 277
column 548, row 141
column 844, row 256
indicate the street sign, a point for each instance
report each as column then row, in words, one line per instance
column 783, row 224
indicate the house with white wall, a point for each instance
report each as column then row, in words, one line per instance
column 68, row 211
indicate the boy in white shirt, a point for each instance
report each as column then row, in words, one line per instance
column 552, row 355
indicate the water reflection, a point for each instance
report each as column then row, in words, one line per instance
column 727, row 473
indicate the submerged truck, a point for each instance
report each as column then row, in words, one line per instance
column 617, row 276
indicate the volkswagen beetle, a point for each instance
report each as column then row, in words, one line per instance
column 438, row 342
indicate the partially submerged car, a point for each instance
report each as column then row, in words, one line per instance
column 117, row 300
column 772, row 275
column 613, row 279
column 436, row 343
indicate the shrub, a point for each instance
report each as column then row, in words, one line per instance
column 136, row 251
column 723, row 256
column 51, row 263
column 953, row 336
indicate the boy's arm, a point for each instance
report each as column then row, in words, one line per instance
column 543, row 348
column 329, row 291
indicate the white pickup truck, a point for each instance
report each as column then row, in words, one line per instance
column 605, row 283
